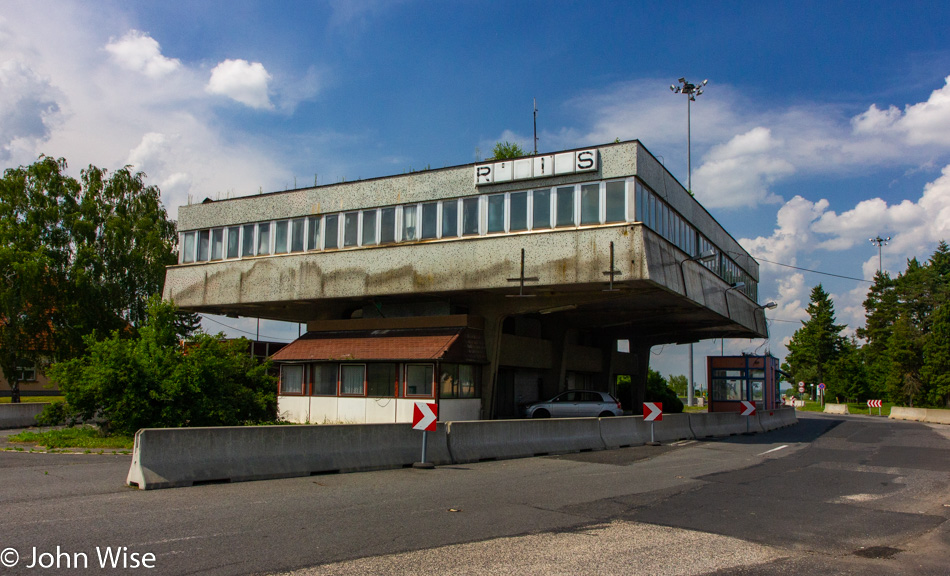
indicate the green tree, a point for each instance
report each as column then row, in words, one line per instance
column 506, row 150
column 815, row 346
column 679, row 384
column 77, row 256
column 658, row 391
column 848, row 373
column 935, row 371
column 157, row 380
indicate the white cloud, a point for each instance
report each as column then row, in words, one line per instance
column 242, row 81
column 28, row 110
column 750, row 162
column 139, row 52
column 922, row 124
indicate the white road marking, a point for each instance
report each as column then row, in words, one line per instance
column 773, row 450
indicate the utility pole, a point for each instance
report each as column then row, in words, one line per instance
column 691, row 91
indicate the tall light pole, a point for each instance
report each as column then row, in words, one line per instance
column 691, row 91
column 880, row 251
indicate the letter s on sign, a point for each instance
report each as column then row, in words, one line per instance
column 585, row 160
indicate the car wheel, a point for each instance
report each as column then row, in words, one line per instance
column 542, row 413
column 605, row 414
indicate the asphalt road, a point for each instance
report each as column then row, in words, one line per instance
column 832, row 495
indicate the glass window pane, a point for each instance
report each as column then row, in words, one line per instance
column 331, row 232
column 296, row 235
column 351, row 228
column 496, row 213
column 565, row 206
column 291, row 379
column 470, row 216
column 430, row 220
column 203, row 242
column 616, row 194
column 381, row 380
column 234, row 242
column 369, row 228
column 313, row 233
column 590, row 204
column 217, row 244
column 466, row 382
column 263, row 238
column 419, row 380
column 448, row 381
column 542, row 209
column 188, row 250
column 518, row 216
column 324, row 379
column 387, row 225
column 450, row 219
column 351, row 380
column 410, row 223
column 247, row 248
column 280, row 237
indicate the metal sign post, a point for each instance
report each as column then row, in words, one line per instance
column 425, row 418
column 652, row 411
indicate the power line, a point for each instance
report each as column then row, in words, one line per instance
column 814, row 271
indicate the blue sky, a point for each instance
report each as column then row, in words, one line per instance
column 823, row 124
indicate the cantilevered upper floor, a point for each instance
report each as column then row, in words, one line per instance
column 602, row 235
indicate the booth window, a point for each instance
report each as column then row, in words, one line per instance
column 324, row 379
column 381, row 380
column 419, row 379
column 352, row 380
column 291, row 379
column 457, row 381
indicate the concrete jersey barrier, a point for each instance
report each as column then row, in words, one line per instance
column 929, row 415
column 477, row 440
column 20, row 415
column 169, row 457
column 836, row 409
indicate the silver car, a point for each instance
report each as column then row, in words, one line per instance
column 574, row 404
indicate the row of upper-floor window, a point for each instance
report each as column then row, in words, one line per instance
column 586, row 204
column 657, row 215
column 380, row 380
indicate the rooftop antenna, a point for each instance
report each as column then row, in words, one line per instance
column 535, row 126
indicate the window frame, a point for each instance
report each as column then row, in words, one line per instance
column 303, row 379
column 432, row 383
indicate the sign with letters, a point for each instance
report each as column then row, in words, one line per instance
column 536, row 167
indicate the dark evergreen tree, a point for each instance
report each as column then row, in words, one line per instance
column 817, row 345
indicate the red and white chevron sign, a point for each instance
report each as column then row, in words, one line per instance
column 652, row 411
column 874, row 403
column 748, row 408
column 424, row 416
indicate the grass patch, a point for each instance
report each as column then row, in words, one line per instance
column 77, row 437
column 25, row 399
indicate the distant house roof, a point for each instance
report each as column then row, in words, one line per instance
column 453, row 343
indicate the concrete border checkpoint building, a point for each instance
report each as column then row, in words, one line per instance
column 480, row 287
